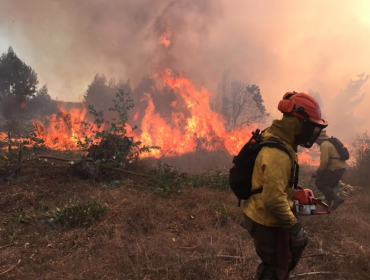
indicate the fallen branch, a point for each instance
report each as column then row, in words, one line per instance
column 312, row 274
column 326, row 255
column 10, row 269
column 2, row 247
column 55, row 158
column 229, row 257
column 101, row 165
column 217, row 256
column 189, row 248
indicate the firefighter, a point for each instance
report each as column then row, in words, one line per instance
column 330, row 171
column 278, row 236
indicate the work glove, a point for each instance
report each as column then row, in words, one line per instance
column 298, row 240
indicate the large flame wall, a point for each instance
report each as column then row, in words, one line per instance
column 190, row 125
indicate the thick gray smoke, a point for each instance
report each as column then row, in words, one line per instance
column 279, row 45
column 74, row 40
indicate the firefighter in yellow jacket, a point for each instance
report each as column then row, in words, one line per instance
column 278, row 236
column 330, row 171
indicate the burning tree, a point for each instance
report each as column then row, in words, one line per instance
column 172, row 114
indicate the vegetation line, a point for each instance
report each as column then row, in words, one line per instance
column 153, row 188
column 10, row 269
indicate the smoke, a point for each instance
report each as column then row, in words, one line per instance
column 279, row 45
column 345, row 104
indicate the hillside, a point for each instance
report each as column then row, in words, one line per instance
column 145, row 233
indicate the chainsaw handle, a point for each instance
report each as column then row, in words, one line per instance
column 323, row 204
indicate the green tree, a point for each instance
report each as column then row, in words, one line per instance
column 18, row 83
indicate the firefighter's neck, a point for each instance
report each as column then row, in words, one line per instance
column 287, row 129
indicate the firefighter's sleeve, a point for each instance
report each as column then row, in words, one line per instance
column 276, row 167
column 324, row 156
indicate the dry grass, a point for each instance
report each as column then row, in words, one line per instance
column 193, row 235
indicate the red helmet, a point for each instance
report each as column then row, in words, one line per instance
column 303, row 106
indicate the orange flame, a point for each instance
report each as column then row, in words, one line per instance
column 198, row 128
column 181, row 134
column 136, row 116
column 190, row 126
column 309, row 157
column 64, row 129
column 3, row 136
column 165, row 38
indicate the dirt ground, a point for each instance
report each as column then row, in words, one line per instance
column 193, row 234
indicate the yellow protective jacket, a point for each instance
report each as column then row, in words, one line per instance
column 330, row 158
column 271, row 172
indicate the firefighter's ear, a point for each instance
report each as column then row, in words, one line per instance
column 286, row 106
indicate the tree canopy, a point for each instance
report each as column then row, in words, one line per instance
column 241, row 103
column 101, row 92
column 18, row 83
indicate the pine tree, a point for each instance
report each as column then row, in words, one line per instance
column 18, row 83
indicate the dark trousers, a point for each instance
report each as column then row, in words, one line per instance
column 326, row 182
column 273, row 248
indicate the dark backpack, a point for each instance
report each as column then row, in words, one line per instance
column 342, row 151
column 240, row 177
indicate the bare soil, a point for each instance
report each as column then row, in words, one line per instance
column 193, row 234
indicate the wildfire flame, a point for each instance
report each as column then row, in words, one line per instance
column 180, row 134
column 64, row 129
column 3, row 136
column 164, row 39
column 190, row 126
column 310, row 157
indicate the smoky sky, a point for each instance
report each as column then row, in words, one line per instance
column 279, row 45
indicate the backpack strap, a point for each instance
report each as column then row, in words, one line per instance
column 275, row 143
column 252, row 193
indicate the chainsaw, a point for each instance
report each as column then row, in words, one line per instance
column 305, row 203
